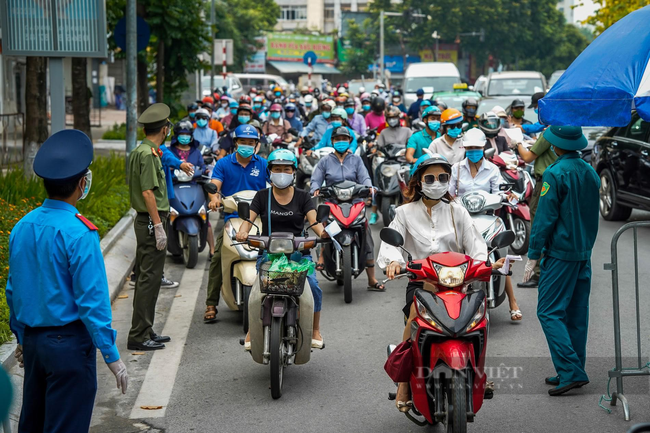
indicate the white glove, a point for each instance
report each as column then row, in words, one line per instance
column 119, row 371
column 161, row 236
column 530, row 268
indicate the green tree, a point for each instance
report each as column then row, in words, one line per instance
column 363, row 47
column 611, row 11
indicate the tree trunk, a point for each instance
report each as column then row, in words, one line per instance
column 143, row 83
column 160, row 71
column 37, row 130
column 80, row 96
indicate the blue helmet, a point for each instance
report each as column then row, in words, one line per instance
column 427, row 160
column 282, row 157
column 246, row 131
column 233, row 104
column 432, row 109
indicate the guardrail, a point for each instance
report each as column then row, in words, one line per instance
column 619, row 372
column 12, row 133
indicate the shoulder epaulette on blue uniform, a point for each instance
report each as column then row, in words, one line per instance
column 86, row 222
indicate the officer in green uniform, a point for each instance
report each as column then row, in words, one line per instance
column 148, row 190
column 543, row 156
column 565, row 231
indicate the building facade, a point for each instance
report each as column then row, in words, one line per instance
column 566, row 7
column 318, row 15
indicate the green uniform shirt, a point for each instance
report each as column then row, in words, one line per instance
column 545, row 156
column 146, row 173
column 566, row 222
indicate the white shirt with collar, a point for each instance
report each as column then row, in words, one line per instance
column 454, row 153
column 487, row 179
column 425, row 235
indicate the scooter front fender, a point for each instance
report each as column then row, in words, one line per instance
column 246, row 272
column 345, row 238
column 189, row 225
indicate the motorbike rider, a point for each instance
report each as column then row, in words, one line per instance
column 191, row 111
column 212, row 122
column 185, row 147
column 202, row 133
column 376, row 118
column 490, row 124
column 311, row 106
column 422, row 139
column 242, row 170
column 355, row 120
column 517, row 110
column 414, row 109
column 475, row 173
column 290, row 207
column 277, row 93
column 290, row 116
column 365, row 105
column 227, row 119
column 338, row 119
column 430, row 222
column 396, row 101
column 224, row 107
column 423, row 106
column 258, row 108
column 450, row 144
column 320, row 123
column 276, row 124
column 470, row 105
column 337, row 167
column 244, row 116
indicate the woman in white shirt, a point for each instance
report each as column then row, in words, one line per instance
column 475, row 173
column 430, row 222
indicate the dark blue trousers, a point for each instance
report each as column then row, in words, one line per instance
column 563, row 312
column 60, row 380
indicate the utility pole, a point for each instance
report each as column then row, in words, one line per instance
column 381, row 46
column 435, row 36
column 131, row 77
column 212, row 23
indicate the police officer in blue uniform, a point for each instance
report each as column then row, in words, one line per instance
column 564, row 231
column 57, row 293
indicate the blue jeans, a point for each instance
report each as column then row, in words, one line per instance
column 316, row 291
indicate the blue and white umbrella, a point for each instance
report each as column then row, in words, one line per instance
column 607, row 80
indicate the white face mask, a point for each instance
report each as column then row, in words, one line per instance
column 89, row 181
column 435, row 191
column 282, row 180
column 393, row 122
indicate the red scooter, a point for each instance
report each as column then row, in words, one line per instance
column 449, row 335
column 516, row 213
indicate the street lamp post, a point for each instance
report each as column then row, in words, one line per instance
column 383, row 14
column 435, row 36
column 212, row 60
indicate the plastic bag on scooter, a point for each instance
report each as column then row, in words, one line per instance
column 282, row 264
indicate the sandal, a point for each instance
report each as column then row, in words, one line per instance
column 320, row 266
column 515, row 315
column 404, row 406
column 210, row 315
column 377, row 287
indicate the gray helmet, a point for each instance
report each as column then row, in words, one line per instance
column 341, row 131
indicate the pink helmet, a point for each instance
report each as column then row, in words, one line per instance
column 224, row 98
column 275, row 107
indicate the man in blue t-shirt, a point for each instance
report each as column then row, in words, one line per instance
column 239, row 171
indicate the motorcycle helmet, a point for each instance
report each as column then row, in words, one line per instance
column 431, row 111
column 426, row 160
column 441, row 104
column 233, row 104
column 245, row 107
column 282, row 157
column 183, row 127
column 362, row 90
column 245, row 99
column 474, row 138
column 202, row 113
column 378, row 105
column 192, row 107
column 451, row 116
column 246, row 131
column 290, row 107
column 518, row 103
column 470, row 102
column 258, row 99
column 490, row 124
column 341, row 132
column 207, row 99
column 309, row 99
column 340, row 112
column 340, row 100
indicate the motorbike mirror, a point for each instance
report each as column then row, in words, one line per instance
column 506, row 186
column 503, row 239
column 210, row 188
column 243, row 209
column 391, row 237
column 322, row 213
column 490, row 153
column 465, row 127
column 645, row 427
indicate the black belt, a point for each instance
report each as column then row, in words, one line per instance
column 160, row 213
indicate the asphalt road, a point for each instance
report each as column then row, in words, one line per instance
column 214, row 386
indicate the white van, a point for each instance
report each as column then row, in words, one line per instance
column 262, row 81
column 430, row 77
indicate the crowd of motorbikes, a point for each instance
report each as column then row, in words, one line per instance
column 450, row 334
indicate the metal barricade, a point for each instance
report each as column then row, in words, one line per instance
column 12, row 133
column 619, row 372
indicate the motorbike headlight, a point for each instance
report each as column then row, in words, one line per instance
column 389, row 170
column 473, row 202
column 344, row 194
column 182, row 176
column 478, row 316
column 424, row 315
column 451, row 277
column 281, row 246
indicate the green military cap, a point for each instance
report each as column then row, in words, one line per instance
column 156, row 116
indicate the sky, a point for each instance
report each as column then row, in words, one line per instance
column 586, row 9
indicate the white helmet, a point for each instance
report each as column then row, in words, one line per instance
column 362, row 90
column 474, row 138
column 309, row 98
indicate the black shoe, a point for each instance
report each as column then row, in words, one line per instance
column 145, row 345
column 555, row 380
column 530, row 284
column 559, row 391
column 160, row 338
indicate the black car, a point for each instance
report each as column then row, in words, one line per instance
column 621, row 158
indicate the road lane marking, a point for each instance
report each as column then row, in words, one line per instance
column 159, row 381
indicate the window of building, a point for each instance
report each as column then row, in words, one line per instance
column 329, row 13
column 293, row 13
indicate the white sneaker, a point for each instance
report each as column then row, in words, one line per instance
column 168, row 284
